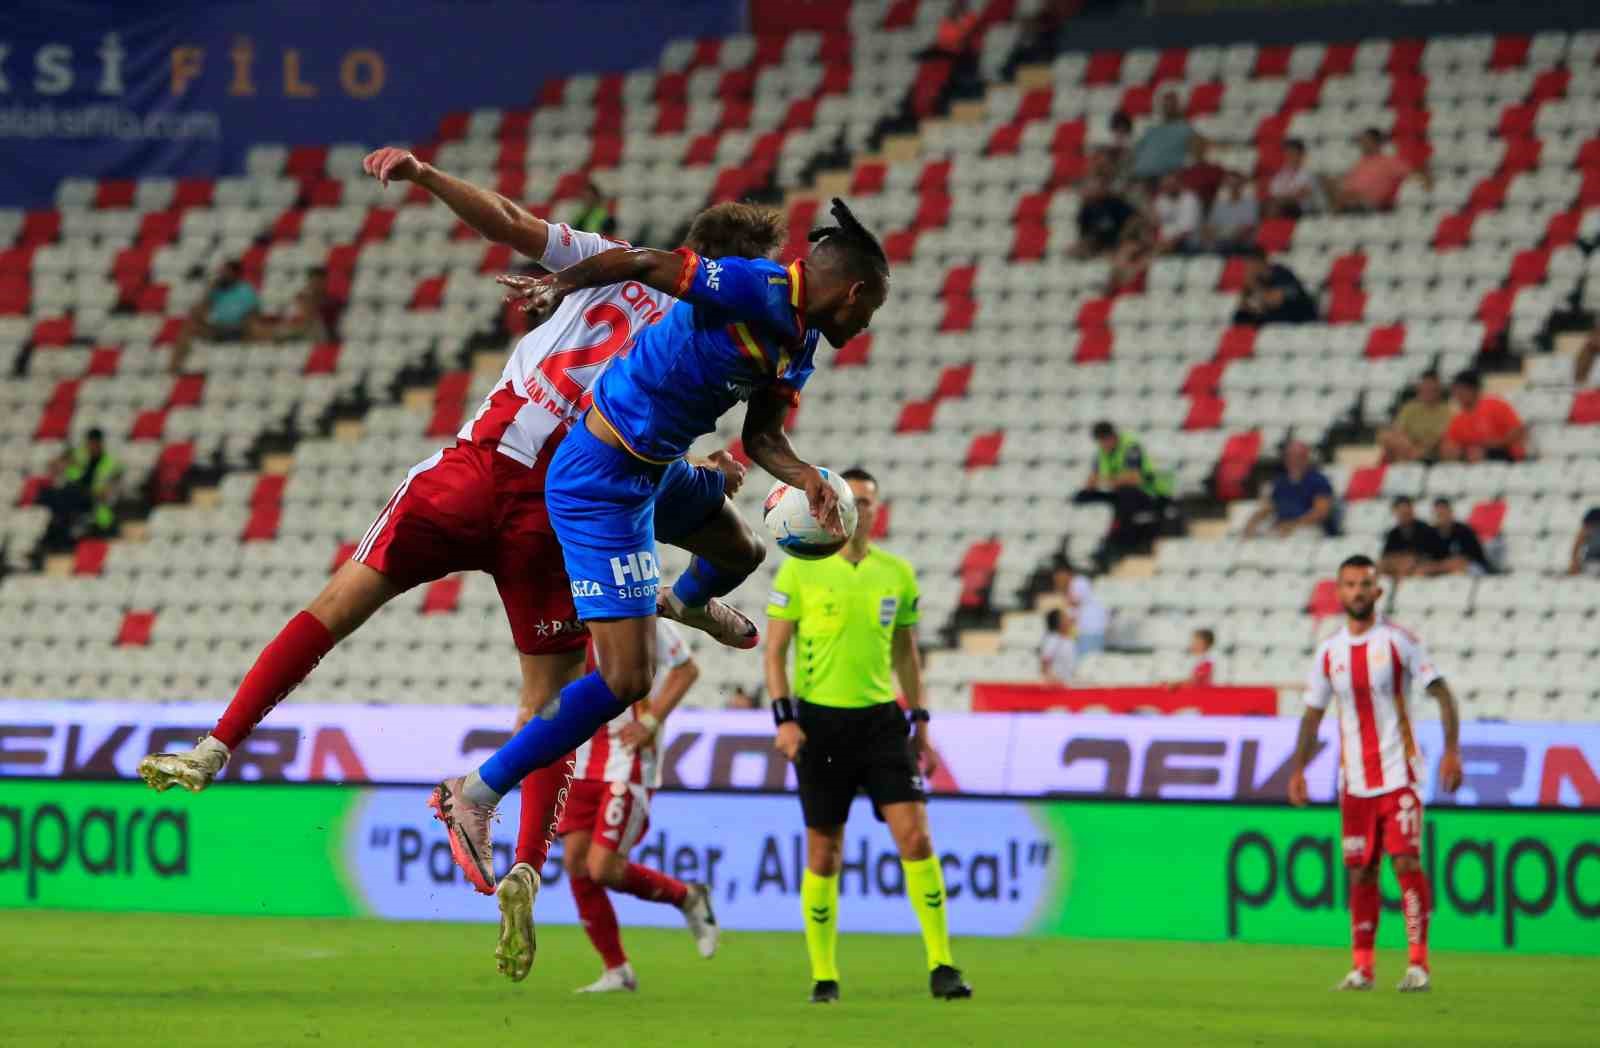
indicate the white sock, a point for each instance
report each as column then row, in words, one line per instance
column 475, row 790
column 212, row 744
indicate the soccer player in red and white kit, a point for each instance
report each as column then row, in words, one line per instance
column 608, row 812
column 1369, row 669
column 479, row 504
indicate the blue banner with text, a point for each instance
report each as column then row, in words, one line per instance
column 121, row 90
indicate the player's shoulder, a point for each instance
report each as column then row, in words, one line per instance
column 1401, row 633
column 1328, row 645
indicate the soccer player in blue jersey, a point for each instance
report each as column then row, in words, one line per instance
column 743, row 330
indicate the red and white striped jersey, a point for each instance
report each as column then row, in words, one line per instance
column 604, row 757
column 544, row 386
column 1370, row 676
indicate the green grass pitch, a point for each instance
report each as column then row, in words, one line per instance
column 81, row 979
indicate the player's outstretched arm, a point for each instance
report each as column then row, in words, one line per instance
column 491, row 216
column 768, row 447
column 539, row 296
column 1450, row 761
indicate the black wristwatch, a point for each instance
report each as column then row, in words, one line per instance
column 918, row 715
column 783, row 711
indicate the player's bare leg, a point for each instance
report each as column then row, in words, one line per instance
column 543, row 677
column 354, row 593
column 727, row 550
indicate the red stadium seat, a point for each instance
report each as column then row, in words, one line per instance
column 1388, row 340
column 916, row 416
column 855, row 352
column 1487, row 518
column 323, row 359
column 985, row 449
column 1365, row 483
column 953, row 381
column 135, row 629
column 443, row 596
column 1585, row 408
column 1205, row 412
column 1324, row 599
column 90, row 556
column 1094, row 346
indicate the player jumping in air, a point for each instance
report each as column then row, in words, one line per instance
column 742, row 330
column 1369, row 669
column 480, row 505
column 607, row 813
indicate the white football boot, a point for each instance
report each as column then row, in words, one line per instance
column 696, row 910
column 1415, row 980
column 613, row 980
column 513, row 954
column 1356, row 980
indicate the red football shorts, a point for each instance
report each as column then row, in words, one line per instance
column 468, row 508
column 1392, row 821
column 616, row 814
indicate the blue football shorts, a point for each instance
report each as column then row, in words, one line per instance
column 608, row 508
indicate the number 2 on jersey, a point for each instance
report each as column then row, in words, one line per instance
column 558, row 366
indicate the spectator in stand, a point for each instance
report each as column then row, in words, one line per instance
column 1375, row 180
column 1202, row 177
column 1204, row 673
column 1058, row 653
column 1587, row 355
column 1486, row 427
column 1301, row 497
column 1411, row 547
column 229, row 312
column 1231, row 224
column 1089, row 616
column 1272, row 294
column 594, row 211
column 312, row 317
column 1164, row 146
column 1419, row 425
column 1126, row 478
column 1586, row 546
column 1113, row 153
column 1463, row 553
column 1101, row 218
column 82, row 496
column 1293, row 189
column 1176, row 213
column 1132, row 258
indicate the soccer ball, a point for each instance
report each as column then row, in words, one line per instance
column 796, row 531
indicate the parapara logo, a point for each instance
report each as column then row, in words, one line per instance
column 45, row 840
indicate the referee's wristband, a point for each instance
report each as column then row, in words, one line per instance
column 917, row 715
column 783, row 711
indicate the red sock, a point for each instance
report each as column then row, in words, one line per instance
column 599, row 920
column 1415, row 902
column 282, row 665
column 652, row 885
column 544, row 794
column 1363, row 923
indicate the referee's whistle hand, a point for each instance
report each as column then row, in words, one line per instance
column 790, row 741
column 923, row 753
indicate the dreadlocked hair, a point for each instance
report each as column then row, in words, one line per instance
column 856, row 246
column 730, row 230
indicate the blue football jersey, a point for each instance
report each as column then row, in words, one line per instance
column 737, row 328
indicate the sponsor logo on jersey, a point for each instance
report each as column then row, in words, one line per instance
column 640, row 567
column 585, row 588
column 780, row 281
column 778, row 599
column 713, row 270
column 886, row 609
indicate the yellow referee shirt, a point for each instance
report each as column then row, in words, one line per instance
column 845, row 616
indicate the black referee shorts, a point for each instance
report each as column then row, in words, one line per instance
column 854, row 750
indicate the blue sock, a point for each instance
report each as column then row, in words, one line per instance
column 585, row 704
column 703, row 581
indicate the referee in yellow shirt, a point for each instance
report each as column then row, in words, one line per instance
column 853, row 617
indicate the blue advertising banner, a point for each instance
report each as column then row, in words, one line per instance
column 119, row 90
